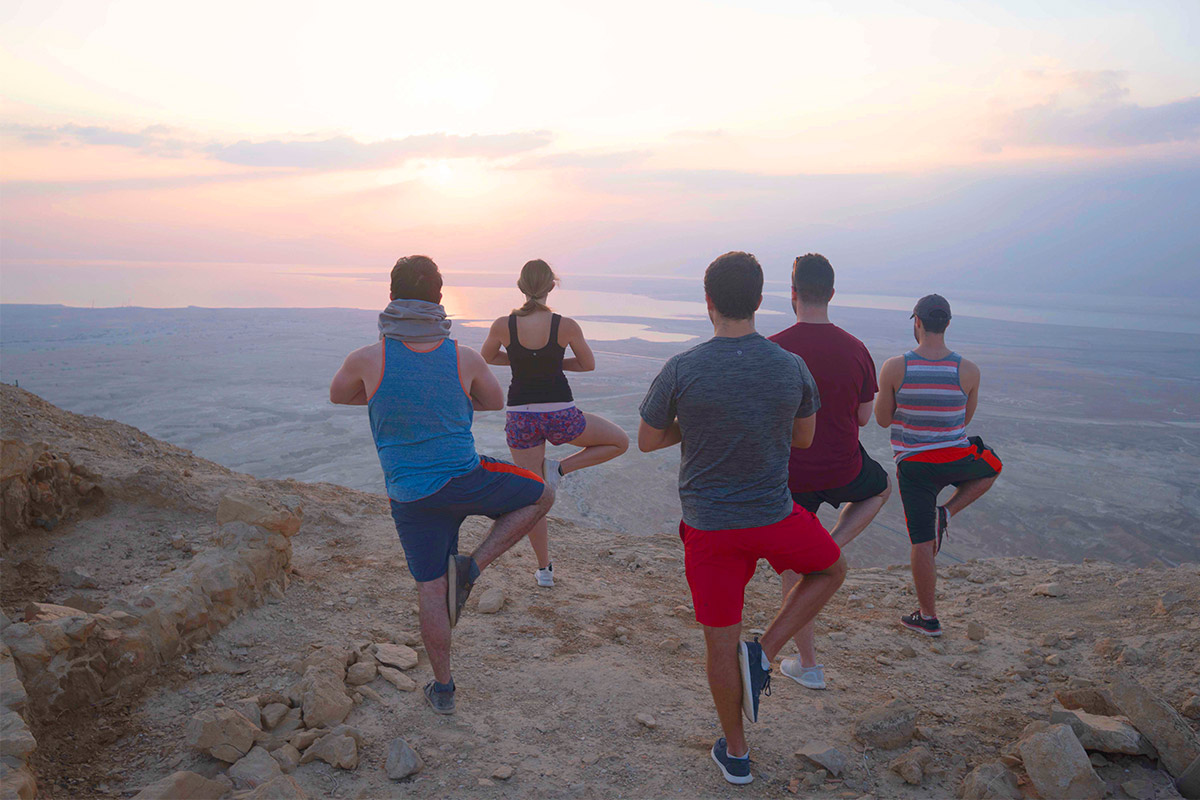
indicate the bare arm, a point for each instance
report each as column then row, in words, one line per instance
column 803, row 430
column 348, row 387
column 479, row 382
column 890, row 376
column 864, row 414
column 582, row 360
column 491, row 351
column 651, row 439
column 968, row 378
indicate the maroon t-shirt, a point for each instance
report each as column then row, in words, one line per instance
column 845, row 376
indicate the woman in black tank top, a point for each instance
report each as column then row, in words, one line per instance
column 541, row 407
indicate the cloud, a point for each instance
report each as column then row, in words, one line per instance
column 343, row 152
column 334, row 153
column 1090, row 109
column 614, row 159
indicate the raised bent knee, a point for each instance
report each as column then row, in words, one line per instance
column 622, row 441
column 838, row 570
column 887, row 491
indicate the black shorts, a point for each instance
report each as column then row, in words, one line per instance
column 920, row 481
column 871, row 480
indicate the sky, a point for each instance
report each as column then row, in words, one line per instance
column 1042, row 147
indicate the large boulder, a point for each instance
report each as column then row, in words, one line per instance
column 222, row 733
column 254, row 769
column 272, row 515
column 1105, row 734
column 887, row 728
column 395, row 655
column 183, row 785
column 1058, row 766
column 324, row 701
column 1175, row 742
column 1091, row 699
column 336, row 749
column 991, row 780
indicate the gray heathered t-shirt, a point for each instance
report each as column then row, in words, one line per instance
column 735, row 400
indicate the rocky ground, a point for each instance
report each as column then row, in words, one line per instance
column 594, row 688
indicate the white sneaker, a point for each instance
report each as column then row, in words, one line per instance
column 545, row 577
column 808, row 677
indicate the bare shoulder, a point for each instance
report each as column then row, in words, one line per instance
column 893, row 367
column 968, row 371
column 365, row 355
column 569, row 328
column 470, row 358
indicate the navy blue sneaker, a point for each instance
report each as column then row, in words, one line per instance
column 916, row 622
column 735, row 770
column 756, row 678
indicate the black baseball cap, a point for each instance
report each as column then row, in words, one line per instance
column 932, row 307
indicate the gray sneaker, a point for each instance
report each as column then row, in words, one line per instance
column 551, row 473
column 458, row 585
column 442, row 702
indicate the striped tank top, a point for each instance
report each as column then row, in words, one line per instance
column 421, row 420
column 931, row 407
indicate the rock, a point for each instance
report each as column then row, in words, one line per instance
column 270, row 515
column 182, row 784
column 248, row 708
column 16, row 741
column 491, row 601
column 910, row 766
column 1090, row 699
column 273, row 714
column 1175, row 742
column 1168, row 602
column 394, row 655
column 822, row 755
column 324, row 700
column 887, row 728
column 287, row 757
column 907, row 651
column 80, row 578
column 503, row 772
column 1106, row 734
column 254, row 769
column 302, row 739
column 402, row 760
column 1189, row 782
column 1058, row 766
column 991, row 781
column 960, row 663
column 1054, row 660
column 1047, row 590
column 282, row 788
column 360, row 673
column 398, row 679
column 1098, row 760
column 282, row 733
column 1138, row 789
column 1191, row 707
column 336, row 749
column 975, row 631
column 222, row 733
column 646, row 720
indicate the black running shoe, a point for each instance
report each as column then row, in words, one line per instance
column 735, row 770
column 756, row 680
column 440, row 700
column 943, row 528
column 458, row 585
column 929, row 627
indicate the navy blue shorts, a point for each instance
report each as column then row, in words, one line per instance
column 428, row 527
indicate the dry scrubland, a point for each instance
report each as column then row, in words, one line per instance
column 169, row 620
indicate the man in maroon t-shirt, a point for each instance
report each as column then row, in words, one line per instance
column 835, row 469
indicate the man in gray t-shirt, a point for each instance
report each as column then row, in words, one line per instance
column 737, row 404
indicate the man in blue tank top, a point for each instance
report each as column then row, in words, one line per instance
column 421, row 390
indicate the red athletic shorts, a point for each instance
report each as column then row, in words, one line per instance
column 719, row 564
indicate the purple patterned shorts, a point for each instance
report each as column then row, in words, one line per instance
column 527, row 429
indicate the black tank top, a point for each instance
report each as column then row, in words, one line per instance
column 537, row 375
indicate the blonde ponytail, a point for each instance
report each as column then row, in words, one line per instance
column 536, row 281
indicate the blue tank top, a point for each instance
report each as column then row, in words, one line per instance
column 421, row 420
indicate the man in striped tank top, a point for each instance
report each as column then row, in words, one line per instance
column 927, row 396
